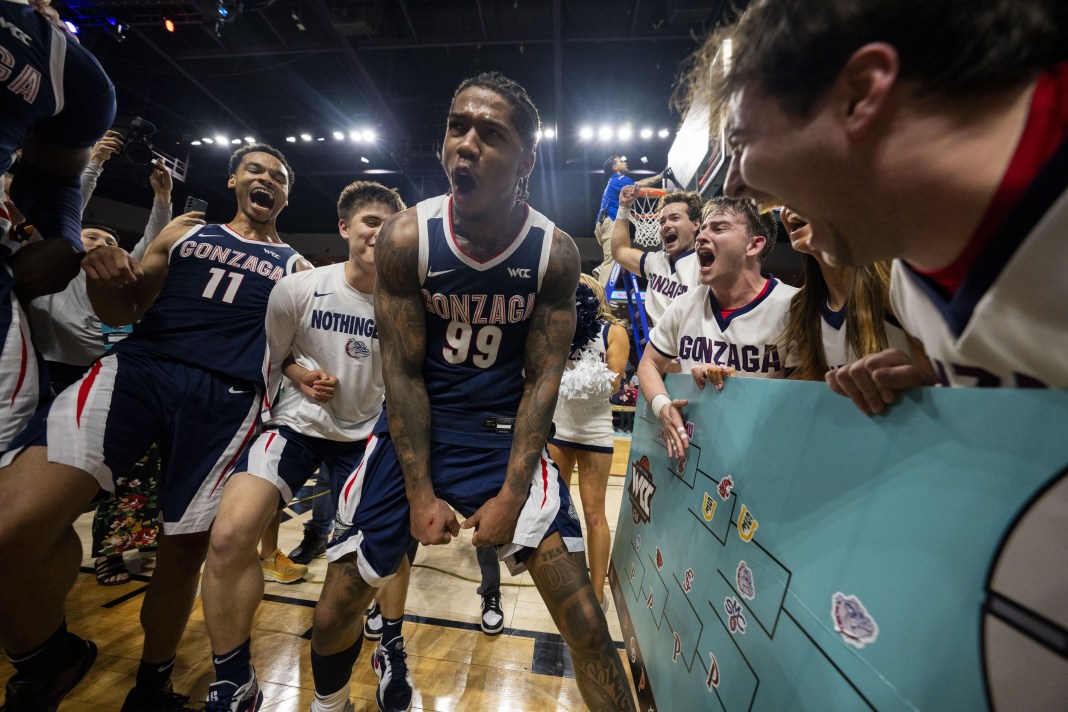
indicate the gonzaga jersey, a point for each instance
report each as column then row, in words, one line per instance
column 477, row 318
column 836, row 347
column 53, row 85
column 324, row 322
column 694, row 330
column 1007, row 325
column 667, row 280
column 210, row 311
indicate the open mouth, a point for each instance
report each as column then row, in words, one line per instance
column 463, row 181
column 261, row 197
column 797, row 229
column 670, row 239
column 705, row 257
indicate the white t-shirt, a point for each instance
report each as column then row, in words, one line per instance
column 1007, row 325
column 694, row 331
column 319, row 318
column 836, row 347
column 667, row 281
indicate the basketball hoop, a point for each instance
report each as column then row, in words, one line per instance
column 645, row 218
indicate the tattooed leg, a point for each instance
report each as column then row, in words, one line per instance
column 338, row 617
column 565, row 586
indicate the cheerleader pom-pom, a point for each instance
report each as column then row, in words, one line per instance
column 588, row 380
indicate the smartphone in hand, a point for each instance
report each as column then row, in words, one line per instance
column 196, row 204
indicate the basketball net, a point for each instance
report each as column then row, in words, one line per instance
column 644, row 216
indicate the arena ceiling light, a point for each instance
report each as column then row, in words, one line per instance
column 305, row 137
column 219, row 138
column 369, row 136
column 355, row 136
column 625, row 133
column 206, row 139
column 646, row 133
column 663, row 133
column 586, row 133
column 605, row 133
column 550, row 133
column 291, row 139
column 339, row 136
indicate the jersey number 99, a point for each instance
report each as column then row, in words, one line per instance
column 461, row 336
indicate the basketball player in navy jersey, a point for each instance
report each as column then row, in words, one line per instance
column 321, row 334
column 56, row 102
column 188, row 377
column 953, row 137
column 475, row 302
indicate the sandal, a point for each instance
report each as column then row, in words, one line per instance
column 111, row 567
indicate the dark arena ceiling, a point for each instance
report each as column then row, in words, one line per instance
column 272, row 69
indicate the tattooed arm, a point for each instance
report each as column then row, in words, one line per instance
column 552, row 327
column 401, row 320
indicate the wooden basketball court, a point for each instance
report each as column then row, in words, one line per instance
column 453, row 664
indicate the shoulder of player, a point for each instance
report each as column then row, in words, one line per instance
column 400, row 231
column 170, row 235
column 561, row 273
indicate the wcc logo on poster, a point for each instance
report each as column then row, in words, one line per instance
column 641, row 490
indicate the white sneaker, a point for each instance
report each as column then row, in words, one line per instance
column 492, row 614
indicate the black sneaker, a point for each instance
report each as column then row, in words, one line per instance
column 372, row 622
column 492, row 614
column 313, row 544
column 44, row 695
column 394, row 693
column 165, row 699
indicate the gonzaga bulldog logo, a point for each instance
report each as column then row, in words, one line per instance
column 356, row 348
column 852, row 620
column 641, row 490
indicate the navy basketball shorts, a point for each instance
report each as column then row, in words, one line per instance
column 106, row 422
column 286, row 459
column 373, row 514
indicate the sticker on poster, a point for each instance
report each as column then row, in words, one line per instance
column 852, row 620
column 744, row 578
column 735, row 614
column 659, row 559
column 725, row 486
column 677, row 647
column 747, row 524
column 687, row 580
column 641, row 490
column 712, row 681
column 708, row 507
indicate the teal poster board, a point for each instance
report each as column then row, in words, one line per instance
column 804, row 555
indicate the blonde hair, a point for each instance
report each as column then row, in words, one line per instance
column 604, row 312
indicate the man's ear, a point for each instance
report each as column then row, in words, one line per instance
column 756, row 245
column 343, row 229
column 865, row 84
column 526, row 164
column 231, row 181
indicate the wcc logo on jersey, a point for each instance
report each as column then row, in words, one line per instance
column 641, row 490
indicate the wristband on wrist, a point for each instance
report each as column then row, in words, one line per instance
column 623, row 213
column 658, row 403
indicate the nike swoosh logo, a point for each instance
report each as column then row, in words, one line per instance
column 431, row 273
column 322, row 294
column 236, row 392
